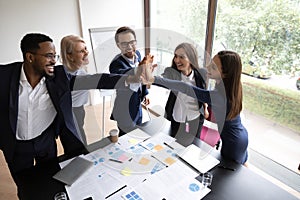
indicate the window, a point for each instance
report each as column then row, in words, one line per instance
column 265, row 34
column 174, row 22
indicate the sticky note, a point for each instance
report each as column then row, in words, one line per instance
column 126, row 171
column 144, row 161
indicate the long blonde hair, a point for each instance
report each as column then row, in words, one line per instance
column 67, row 46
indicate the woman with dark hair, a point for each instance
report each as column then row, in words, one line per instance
column 225, row 101
column 185, row 113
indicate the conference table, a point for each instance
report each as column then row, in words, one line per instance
column 231, row 181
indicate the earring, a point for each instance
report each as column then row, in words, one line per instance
column 30, row 61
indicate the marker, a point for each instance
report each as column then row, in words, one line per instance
column 168, row 146
column 118, row 161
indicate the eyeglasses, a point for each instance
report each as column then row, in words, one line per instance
column 49, row 56
column 83, row 51
column 126, row 44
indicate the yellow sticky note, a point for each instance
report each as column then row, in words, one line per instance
column 126, row 171
column 132, row 141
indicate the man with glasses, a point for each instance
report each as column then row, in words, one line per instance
column 127, row 109
column 36, row 105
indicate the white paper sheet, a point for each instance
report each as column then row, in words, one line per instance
column 175, row 182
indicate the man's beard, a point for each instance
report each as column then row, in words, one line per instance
column 48, row 76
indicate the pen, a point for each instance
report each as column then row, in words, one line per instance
column 116, row 191
column 168, row 146
column 159, row 161
column 118, row 161
column 187, row 163
column 228, row 168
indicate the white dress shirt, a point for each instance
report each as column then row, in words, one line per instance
column 133, row 63
column 79, row 97
column 36, row 110
column 186, row 107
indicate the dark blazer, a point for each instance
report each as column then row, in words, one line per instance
column 127, row 109
column 174, row 74
column 59, row 87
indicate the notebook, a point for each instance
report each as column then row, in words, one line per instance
column 199, row 159
column 72, row 171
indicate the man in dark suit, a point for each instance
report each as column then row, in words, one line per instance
column 127, row 109
column 36, row 106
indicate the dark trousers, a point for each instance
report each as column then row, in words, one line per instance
column 30, row 152
column 123, row 131
column 39, row 149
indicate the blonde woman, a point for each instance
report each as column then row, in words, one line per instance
column 74, row 55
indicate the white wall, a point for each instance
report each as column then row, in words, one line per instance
column 58, row 18
column 112, row 13
column 55, row 18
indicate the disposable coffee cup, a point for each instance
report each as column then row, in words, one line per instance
column 114, row 134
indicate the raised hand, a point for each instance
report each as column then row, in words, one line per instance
column 146, row 68
column 140, row 73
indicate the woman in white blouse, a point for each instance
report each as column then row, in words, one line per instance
column 185, row 113
column 74, row 55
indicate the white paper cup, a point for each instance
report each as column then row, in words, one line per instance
column 113, row 135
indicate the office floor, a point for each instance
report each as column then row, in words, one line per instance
column 94, row 125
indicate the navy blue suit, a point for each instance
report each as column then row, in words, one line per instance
column 127, row 109
column 59, row 87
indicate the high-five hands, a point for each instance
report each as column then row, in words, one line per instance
column 145, row 69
